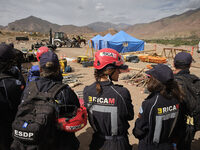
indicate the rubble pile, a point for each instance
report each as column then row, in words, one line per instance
column 138, row 79
column 72, row 80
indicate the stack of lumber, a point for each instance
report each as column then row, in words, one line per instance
column 138, row 79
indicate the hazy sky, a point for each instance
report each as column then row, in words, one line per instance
column 83, row 12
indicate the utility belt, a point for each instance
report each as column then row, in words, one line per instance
column 114, row 137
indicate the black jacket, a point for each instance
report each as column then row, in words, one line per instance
column 109, row 113
column 189, row 105
column 66, row 95
column 10, row 94
column 61, row 139
column 155, row 126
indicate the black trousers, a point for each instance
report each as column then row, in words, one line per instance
column 186, row 137
column 100, row 143
column 161, row 146
column 5, row 136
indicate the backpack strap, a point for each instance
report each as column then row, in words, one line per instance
column 194, row 78
column 33, row 91
column 186, row 77
column 56, row 88
column 50, row 93
column 33, row 85
column 184, row 80
column 4, row 76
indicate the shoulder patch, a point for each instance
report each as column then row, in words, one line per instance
column 141, row 110
column 18, row 82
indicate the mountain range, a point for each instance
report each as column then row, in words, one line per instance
column 102, row 26
column 184, row 25
column 177, row 26
column 1, row 27
column 35, row 24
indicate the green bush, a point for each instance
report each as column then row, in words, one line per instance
column 176, row 42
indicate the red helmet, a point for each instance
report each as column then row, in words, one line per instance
column 76, row 123
column 40, row 51
column 108, row 56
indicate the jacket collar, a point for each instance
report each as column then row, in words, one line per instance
column 152, row 94
column 50, row 80
column 184, row 71
column 106, row 83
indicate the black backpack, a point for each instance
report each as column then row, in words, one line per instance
column 36, row 116
column 191, row 87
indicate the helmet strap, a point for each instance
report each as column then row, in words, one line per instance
column 110, row 76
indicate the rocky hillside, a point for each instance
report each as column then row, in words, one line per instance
column 34, row 24
column 71, row 29
column 112, row 31
column 102, row 26
column 184, row 25
column 1, row 27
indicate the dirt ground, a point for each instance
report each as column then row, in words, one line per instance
column 136, row 92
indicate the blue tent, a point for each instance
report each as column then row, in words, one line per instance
column 95, row 41
column 103, row 41
column 123, row 42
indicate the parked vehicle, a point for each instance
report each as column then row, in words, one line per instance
column 61, row 40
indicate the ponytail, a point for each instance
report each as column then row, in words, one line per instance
column 98, row 74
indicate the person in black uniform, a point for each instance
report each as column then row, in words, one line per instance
column 182, row 63
column 50, row 75
column 158, row 116
column 10, row 93
column 109, row 106
column 16, row 69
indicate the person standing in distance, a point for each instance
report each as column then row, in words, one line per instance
column 109, row 105
column 34, row 72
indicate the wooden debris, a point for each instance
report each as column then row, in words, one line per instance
column 138, row 79
column 137, row 74
column 72, row 85
column 137, row 69
column 72, row 79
